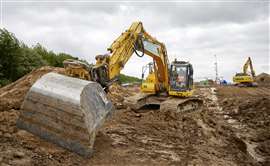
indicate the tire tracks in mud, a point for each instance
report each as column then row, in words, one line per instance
column 244, row 144
column 248, row 100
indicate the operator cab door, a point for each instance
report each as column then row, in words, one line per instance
column 181, row 77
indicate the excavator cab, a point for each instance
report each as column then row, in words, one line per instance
column 181, row 79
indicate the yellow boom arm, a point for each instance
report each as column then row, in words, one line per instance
column 249, row 64
column 132, row 40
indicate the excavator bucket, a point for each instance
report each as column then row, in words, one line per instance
column 65, row 111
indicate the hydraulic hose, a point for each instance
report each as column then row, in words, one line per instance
column 135, row 48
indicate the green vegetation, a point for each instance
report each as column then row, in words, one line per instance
column 128, row 79
column 17, row 59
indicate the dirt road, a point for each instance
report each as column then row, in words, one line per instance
column 232, row 129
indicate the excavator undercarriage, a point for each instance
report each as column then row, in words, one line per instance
column 141, row 102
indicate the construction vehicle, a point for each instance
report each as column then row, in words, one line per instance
column 68, row 111
column 77, row 69
column 246, row 79
column 164, row 80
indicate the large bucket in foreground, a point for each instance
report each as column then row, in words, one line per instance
column 66, row 111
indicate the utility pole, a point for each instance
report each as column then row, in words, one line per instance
column 216, row 68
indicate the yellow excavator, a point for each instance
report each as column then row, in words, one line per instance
column 68, row 111
column 245, row 79
column 165, row 79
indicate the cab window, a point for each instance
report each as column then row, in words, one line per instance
column 178, row 77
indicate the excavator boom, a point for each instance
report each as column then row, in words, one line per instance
column 129, row 42
column 250, row 65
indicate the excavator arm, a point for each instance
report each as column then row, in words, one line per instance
column 249, row 64
column 123, row 48
column 245, row 78
column 132, row 40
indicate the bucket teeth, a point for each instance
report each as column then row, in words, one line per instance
column 66, row 111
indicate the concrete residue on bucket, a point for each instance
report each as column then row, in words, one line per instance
column 66, row 111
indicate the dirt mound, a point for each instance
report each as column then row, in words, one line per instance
column 249, row 114
column 232, row 129
column 263, row 79
column 128, row 138
column 12, row 95
column 117, row 94
column 254, row 114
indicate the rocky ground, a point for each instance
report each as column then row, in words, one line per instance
column 231, row 129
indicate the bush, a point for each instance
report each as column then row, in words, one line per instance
column 128, row 79
column 17, row 59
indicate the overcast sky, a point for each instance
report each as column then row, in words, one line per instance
column 192, row 31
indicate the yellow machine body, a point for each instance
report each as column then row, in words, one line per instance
column 244, row 78
column 108, row 67
column 148, row 86
column 181, row 94
column 77, row 69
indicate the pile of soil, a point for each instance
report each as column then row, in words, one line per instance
column 117, row 95
column 150, row 138
column 167, row 138
column 263, row 79
column 231, row 129
column 12, row 95
column 249, row 114
column 21, row 148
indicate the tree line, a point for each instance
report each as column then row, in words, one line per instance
column 18, row 59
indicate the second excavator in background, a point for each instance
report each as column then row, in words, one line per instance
column 246, row 79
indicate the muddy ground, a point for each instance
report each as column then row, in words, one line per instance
column 233, row 128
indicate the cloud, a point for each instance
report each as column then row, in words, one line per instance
column 192, row 31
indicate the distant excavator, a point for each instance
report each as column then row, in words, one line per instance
column 246, row 79
column 68, row 111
